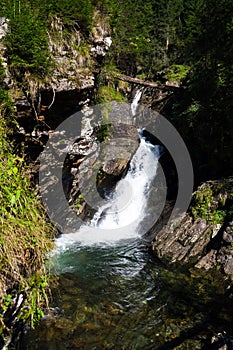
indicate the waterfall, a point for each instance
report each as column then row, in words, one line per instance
column 119, row 219
column 134, row 104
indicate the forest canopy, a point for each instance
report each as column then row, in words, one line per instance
column 188, row 41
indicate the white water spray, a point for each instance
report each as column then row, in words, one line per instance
column 119, row 219
column 134, row 104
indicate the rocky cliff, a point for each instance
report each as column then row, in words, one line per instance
column 204, row 237
column 71, row 81
column 91, row 162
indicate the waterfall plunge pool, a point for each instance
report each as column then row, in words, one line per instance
column 111, row 294
column 119, row 297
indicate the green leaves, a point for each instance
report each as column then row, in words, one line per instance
column 7, row 302
column 132, row 22
column 212, row 202
column 27, row 41
column 177, row 72
column 204, row 110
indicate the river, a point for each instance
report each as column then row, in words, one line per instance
column 110, row 293
column 119, row 297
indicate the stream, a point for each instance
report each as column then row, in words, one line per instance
column 118, row 297
column 110, row 293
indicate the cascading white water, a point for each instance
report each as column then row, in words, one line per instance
column 129, row 199
column 134, row 104
column 120, row 217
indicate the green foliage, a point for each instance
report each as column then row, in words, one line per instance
column 27, row 41
column 103, row 131
column 131, row 40
column 80, row 11
column 211, row 202
column 25, row 236
column 6, row 302
column 109, row 87
column 177, row 72
column 146, row 34
column 36, row 298
column 109, row 93
column 79, row 202
column 203, row 113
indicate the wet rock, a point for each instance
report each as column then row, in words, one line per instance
column 115, row 166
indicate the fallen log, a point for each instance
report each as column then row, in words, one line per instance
column 167, row 85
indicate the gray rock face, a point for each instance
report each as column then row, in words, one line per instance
column 102, row 165
column 3, row 27
column 100, row 38
column 201, row 242
column 75, row 60
column 74, row 57
column 91, row 167
column 122, row 144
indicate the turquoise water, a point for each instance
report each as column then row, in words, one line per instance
column 119, row 297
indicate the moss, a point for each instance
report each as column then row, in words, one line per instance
column 103, row 130
column 79, row 202
column 83, row 49
column 107, row 93
column 213, row 201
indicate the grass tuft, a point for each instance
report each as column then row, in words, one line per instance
column 25, row 239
